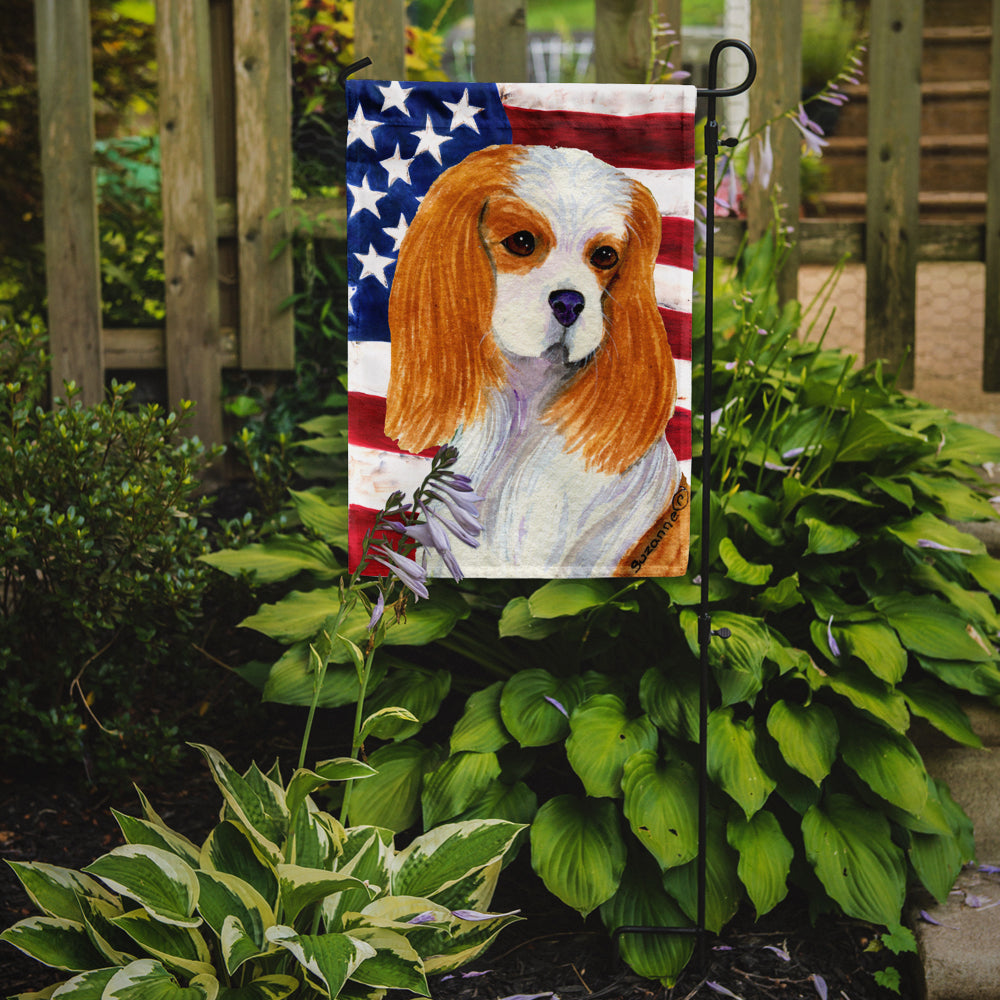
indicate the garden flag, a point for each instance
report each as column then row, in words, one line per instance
column 520, row 278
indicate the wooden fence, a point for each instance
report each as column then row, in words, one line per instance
column 226, row 160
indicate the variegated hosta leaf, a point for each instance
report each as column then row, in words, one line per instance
column 158, row 880
column 315, row 838
column 642, row 902
column 441, row 857
column 807, row 736
column 304, row 782
column 535, row 706
column 367, row 853
column 850, row 847
column 481, row 727
column 177, row 947
column 141, row 831
column 467, row 940
column 56, row 891
column 256, row 801
column 300, row 887
column 602, row 737
column 765, row 858
column 723, row 889
column 116, row 946
column 329, row 959
column 661, row 800
column 54, row 941
column 732, row 760
column 456, row 784
column 275, row 987
column 149, row 980
column 475, row 891
column 395, row 964
column 87, row 986
column 578, row 851
column 225, row 897
column 230, row 849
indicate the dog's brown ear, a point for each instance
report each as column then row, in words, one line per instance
column 443, row 356
column 619, row 405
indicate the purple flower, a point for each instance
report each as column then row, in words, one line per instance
column 558, row 705
column 780, row 952
column 475, row 915
column 834, row 648
column 461, row 504
column 411, row 575
column 811, row 132
column 820, row 983
column 427, row 917
column 377, row 611
column 761, row 164
column 927, row 543
column 719, row 988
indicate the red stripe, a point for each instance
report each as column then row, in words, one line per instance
column 679, row 434
column 677, row 243
column 678, row 327
column 361, row 520
column 366, row 423
column 646, row 142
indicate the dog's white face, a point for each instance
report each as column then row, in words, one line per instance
column 556, row 242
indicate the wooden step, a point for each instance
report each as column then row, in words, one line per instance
column 947, row 162
column 956, row 53
column 940, row 13
column 958, row 206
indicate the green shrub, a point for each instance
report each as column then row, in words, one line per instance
column 99, row 539
column 279, row 900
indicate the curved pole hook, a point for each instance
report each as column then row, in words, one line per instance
column 353, row 68
column 713, row 69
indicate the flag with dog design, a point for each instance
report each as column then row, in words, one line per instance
column 520, row 286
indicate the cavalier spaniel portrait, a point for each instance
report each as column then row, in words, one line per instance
column 525, row 331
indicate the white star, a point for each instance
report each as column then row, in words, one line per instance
column 398, row 231
column 395, row 97
column 463, row 113
column 397, row 167
column 365, row 197
column 351, row 289
column 430, row 141
column 360, row 128
column 373, row 265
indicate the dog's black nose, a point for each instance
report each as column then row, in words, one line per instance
column 566, row 305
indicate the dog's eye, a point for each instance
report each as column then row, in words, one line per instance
column 604, row 257
column 522, row 244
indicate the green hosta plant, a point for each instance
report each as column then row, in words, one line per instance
column 279, row 900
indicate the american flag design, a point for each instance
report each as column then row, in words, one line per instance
column 401, row 136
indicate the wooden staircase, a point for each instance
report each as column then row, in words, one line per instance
column 955, row 92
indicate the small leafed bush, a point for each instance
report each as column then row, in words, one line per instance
column 99, row 578
column 280, row 899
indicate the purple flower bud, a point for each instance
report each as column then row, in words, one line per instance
column 558, row 705
column 834, row 648
column 820, row 983
column 427, row 917
column 409, row 573
column 377, row 612
column 927, row 543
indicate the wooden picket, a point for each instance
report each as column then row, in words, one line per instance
column 226, row 160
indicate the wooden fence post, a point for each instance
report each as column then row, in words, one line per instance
column 501, row 41
column 622, row 40
column 72, row 255
column 190, row 251
column 262, row 60
column 991, row 332
column 380, row 34
column 893, row 183
column 776, row 35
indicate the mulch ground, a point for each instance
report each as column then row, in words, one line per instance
column 550, row 953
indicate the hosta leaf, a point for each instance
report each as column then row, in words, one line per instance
column 517, row 620
column 602, row 738
column 180, row 948
column 56, row 891
column 418, row 690
column 864, row 691
column 304, row 782
column 395, row 964
column 661, row 799
column 578, row 851
column 530, row 706
column 387, row 723
column 931, row 628
column 87, row 986
column 739, row 569
column 301, row 887
column 147, row 979
column 986, row 571
column 466, row 941
column 54, row 941
column 738, row 661
column 976, row 678
column 569, row 597
column 723, row 889
column 732, row 760
column 230, row 849
column 280, row 557
column 941, row 709
column 391, row 798
column 225, row 897
column 965, row 443
column 785, row 594
column 807, row 736
column 850, row 848
column 758, row 511
column 671, row 699
column 481, row 728
column 516, row 803
column 456, row 784
column 876, row 646
column 441, row 857
column 330, row 959
column 141, row 831
column 291, row 680
column 827, row 539
column 928, row 528
column 274, row 987
column 937, row 860
column 324, row 519
column 888, row 763
column 957, row 501
column 159, row 881
column 870, row 435
column 765, row 858
column 641, row 901
column 366, row 855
